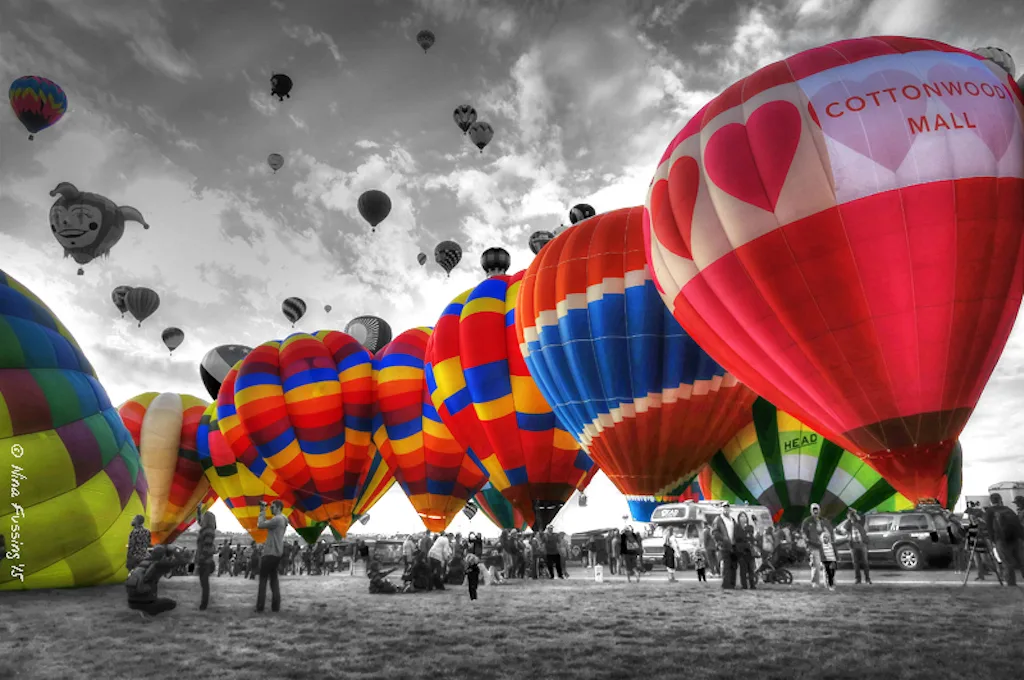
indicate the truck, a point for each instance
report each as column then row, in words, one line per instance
column 689, row 519
column 1008, row 490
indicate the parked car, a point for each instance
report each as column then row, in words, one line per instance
column 912, row 539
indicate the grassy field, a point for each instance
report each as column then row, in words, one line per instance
column 577, row 629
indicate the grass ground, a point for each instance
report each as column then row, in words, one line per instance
column 331, row 627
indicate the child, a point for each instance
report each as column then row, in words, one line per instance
column 828, row 556
column 700, row 562
column 472, row 574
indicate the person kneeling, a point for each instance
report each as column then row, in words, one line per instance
column 379, row 583
column 143, row 582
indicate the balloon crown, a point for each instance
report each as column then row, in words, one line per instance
column 495, row 261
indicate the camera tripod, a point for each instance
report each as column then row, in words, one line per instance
column 983, row 547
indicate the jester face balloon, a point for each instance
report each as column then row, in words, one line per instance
column 306, row 404
column 843, row 231
column 780, row 463
column 647, row 403
column 88, row 225
column 434, row 470
column 483, row 392
column 164, row 427
column 75, row 478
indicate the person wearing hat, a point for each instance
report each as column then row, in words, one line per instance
column 813, row 527
column 1007, row 531
column 724, row 532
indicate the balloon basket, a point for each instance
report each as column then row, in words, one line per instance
column 31, row 137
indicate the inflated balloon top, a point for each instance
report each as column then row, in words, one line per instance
column 66, row 454
column 214, row 367
column 481, row 133
column 88, row 225
column 37, row 102
column 842, row 230
column 142, row 303
column 580, row 212
column 495, row 261
column 280, row 86
column 119, row 295
column 275, row 161
column 293, row 309
column 374, row 205
column 464, row 116
column 448, row 254
column 372, row 332
column 425, row 39
column 1000, row 57
column 539, row 239
column 173, row 337
column 422, row 259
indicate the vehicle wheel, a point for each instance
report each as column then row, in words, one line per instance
column 783, row 576
column 908, row 558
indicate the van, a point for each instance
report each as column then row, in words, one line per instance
column 911, row 539
column 689, row 519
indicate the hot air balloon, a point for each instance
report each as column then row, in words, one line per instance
column 163, row 427
column 206, row 503
column 374, row 206
column 648, row 404
column 294, row 309
column 448, row 254
column 539, row 239
column 375, row 481
column 470, row 510
column 580, row 212
column 172, row 337
column 214, row 367
column 372, row 332
column 495, row 261
column 37, row 102
column 434, row 471
column 118, row 296
column 780, row 463
column 812, row 240
column 275, row 161
column 498, row 509
column 240, row 489
column 328, row 308
column 560, row 229
column 88, row 225
column 66, row 453
column 425, row 39
column 483, row 392
column 141, row 303
column 280, row 86
column 1001, row 57
column 481, row 133
column 422, row 259
column 464, row 116
column 306, row 404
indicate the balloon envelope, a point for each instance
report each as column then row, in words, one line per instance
column 499, row 510
column 464, row 116
column 293, row 309
column 37, row 102
column 275, row 161
column 374, row 206
column 372, row 332
column 214, row 367
column 425, row 39
column 142, row 303
column 481, row 134
column 118, row 296
column 816, row 247
column 173, row 337
column 448, row 254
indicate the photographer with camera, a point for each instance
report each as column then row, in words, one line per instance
column 273, row 548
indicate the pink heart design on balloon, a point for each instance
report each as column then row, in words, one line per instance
column 879, row 129
column 752, row 161
column 992, row 118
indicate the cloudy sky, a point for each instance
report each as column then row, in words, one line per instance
column 170, row 112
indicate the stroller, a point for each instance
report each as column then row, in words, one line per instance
column 771, row 572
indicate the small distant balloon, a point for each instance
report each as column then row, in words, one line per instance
column 374, row 206
column 372, row 332
column 214, row 367
column 88, row 225
column 280, row 86
column 580, row 212
column 275, row 161
column 1000, row 57
column 539, row 239
column 328, row 308
column 448, row 254
column 481, row 134
column 426, row 39
column 495, row 261
column 464, row 116
column 422, row 259
column 561, row 228
column 173, row 337
column 142, row 302
column 118, row 296
column 37, row 102
column 294, row 309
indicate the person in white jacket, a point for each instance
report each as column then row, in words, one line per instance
column 439, row 555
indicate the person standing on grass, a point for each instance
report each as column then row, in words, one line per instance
column 828, row 558
column 670, row 554
column 858, row 545
column 205, row 549
column 472, row 574
column 564, row 550
column 552, row 552
column 631, row 550
column 408, row 551
column 273, row 548
column 700, row 563
column 743, row 550
column 591, row 552
column 711, row 550
column 724, row 534
column 224, row 558
column 812, row 528
column 527, row 548
column 1006, row 529
column 144, row 582
column 1019, row 502
column 138, row 543
column 478, row 545
column 439, row 555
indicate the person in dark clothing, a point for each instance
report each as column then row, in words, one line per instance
column 552, row 552
column 858, row 545
column 204, row 552
column 743, row 549
column 224, row 558
column 631, row 549
column 144, row 581
column 472, row 574
column 478, row 546
column 724, row 533
column 1007, row 531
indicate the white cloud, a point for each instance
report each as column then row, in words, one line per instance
column 298, row 122
column 908, row 17
column 367, row 144
column 310, row 36
column 262, row 103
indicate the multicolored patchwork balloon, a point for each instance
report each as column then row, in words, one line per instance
column 207, row 502
column 75, row 478
column 376, row 480
column 648, row 404
column 37, row 102
column 483, row 392
column 306, row 405
column 780, row 463
column 844, row 231
column 433, row 469
column 164, row 428
column 497, row 509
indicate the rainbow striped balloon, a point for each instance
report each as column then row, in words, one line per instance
column 375, row 481
column 306, row 405
column 435, row 472
column 636, row 391
column 483, row 392
column 164, row 427
column 207, row 502
column 78, row 475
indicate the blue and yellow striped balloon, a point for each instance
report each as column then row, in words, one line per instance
column 37, row 102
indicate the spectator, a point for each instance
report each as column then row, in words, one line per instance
column 205, row 548
column 812, row 528
column 1006, row 529
column 144, row 581
column 439, row 555
column 591, row 551
column 537, row 550
column 273, row 547
column 724, row 533
column 552, row 552
column 478, row 545
column 711, row 550
column 564, row 551
column 743, row 550
column 614, row 551
column 472, row 574
column 224, row 558
column 977, row 530
column 828, row 558
column 1019, row 502
column 858, row 545
column 252, row 560
column 670, row 554
column 528, row 561
column 138, row 543
column 409, row 551
column 700, row 563
column 631, row 550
